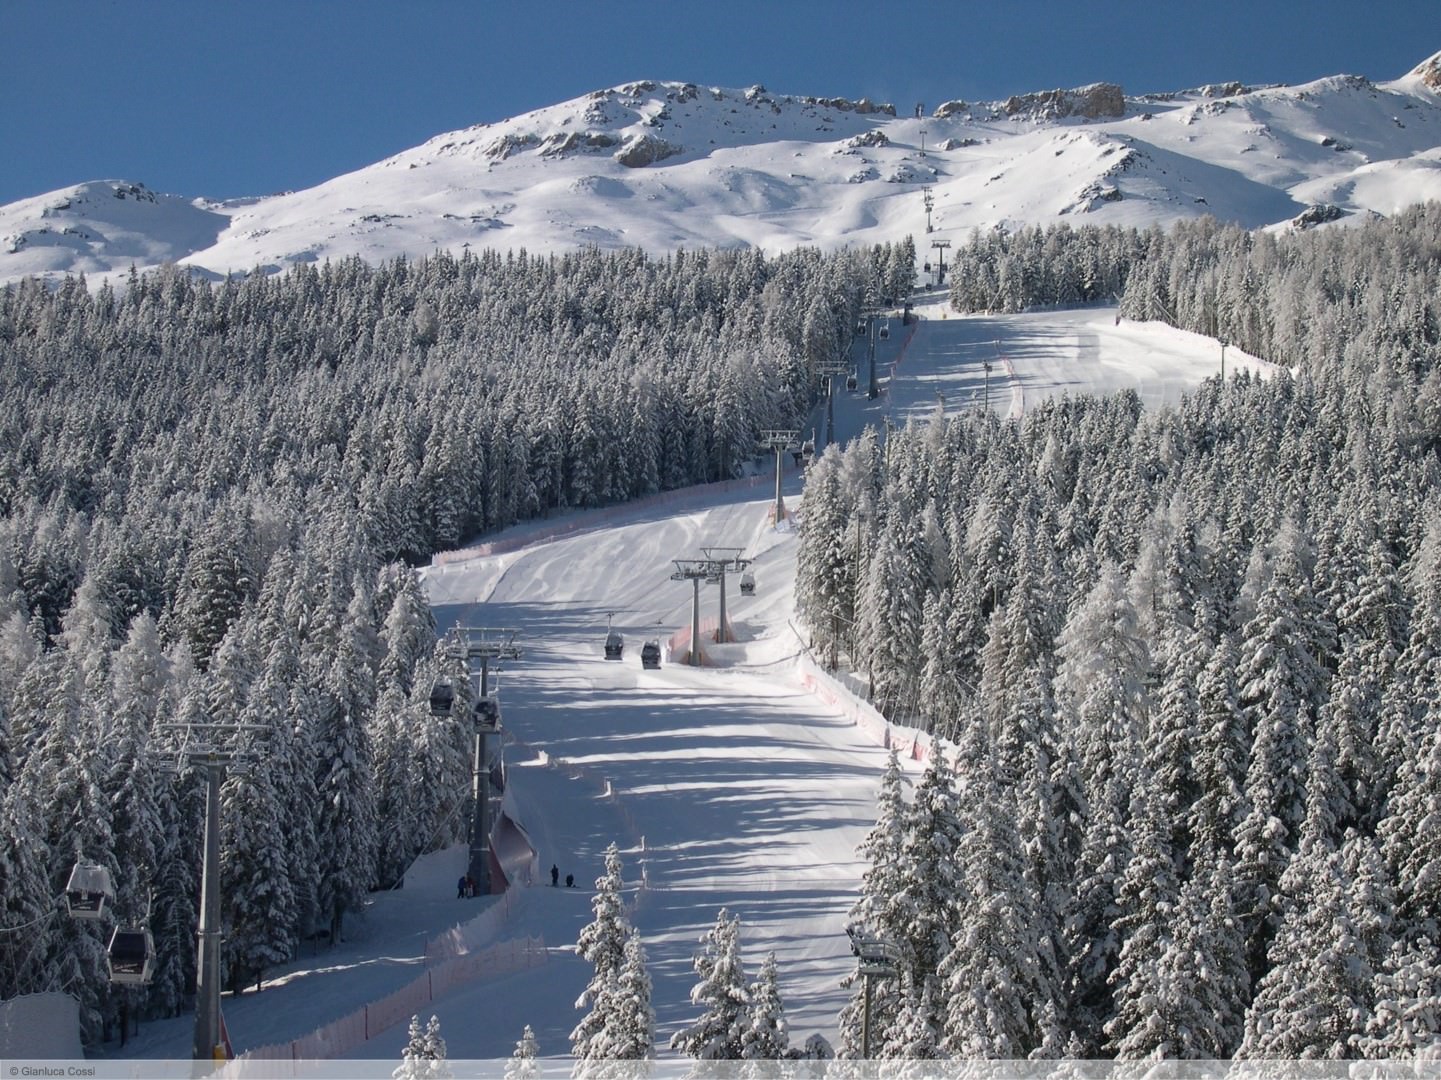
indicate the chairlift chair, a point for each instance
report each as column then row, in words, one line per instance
column 851, row 381
column 861, row 328
column 748, row 584
column 650, row 654
column 885, row 331
column 87, row 891
column 131, row 956
column 614, row 645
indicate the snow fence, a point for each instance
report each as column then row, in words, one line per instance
column 342, row 1036
column 467, row 937
column 452, row 958
column 906, row 741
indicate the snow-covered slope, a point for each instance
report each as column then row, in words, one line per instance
column 666, row 165
column 730, row 785
column 102, row 226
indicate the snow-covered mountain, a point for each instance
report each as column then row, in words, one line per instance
column 661, row 165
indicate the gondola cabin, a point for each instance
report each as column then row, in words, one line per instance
column 442, row 697
column 487, row 712
column 650, row 654
column 748, row 584
column 614, row 646
column 87, row 891
column 131, row 957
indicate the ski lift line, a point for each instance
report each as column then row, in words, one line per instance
column 54, row 910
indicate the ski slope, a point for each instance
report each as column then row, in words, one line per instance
column 728, row 785
column 941, row 364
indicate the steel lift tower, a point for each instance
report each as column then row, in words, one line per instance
column 720, row 562
column 485, row 644
column 695, row 571
column 779, row 440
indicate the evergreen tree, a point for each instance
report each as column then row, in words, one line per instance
column 878, row 909
column 523, row 1064
column 424, row 1055
column 1146, row 897
column 930, row 886
column 767, row 1037
column 629, row 1032
column 602, row 944
column 1406, row 1022
column 990, row 976
column 720, row 991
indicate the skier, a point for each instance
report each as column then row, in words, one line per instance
column 460, row 888
column 570, row 881
column 554, row 875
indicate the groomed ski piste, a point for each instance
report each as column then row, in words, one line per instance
column 730, row 785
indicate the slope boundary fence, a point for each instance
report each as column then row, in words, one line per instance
column 906, row 741
column 349, row 1032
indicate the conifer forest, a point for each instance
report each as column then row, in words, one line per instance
column 211, row 500
column 1187, row 662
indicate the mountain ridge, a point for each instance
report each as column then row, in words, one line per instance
column 663, row 165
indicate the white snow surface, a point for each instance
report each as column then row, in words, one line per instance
column 662, row 165
column 729, row 785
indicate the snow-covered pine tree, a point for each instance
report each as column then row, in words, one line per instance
column 767, row 1036
column 876, row 909
column 258, row 896
column 424, row 1055
column 25, row 897
column 930, row 888
column 523, row 1064
column 602, row 944
column 408, row 634
column 990, row 977
column 1406, row 1021
column 1409, row 839
column 629, row 1031
column 721, row 992
column 1220, row 745
column 1314, row 999
column 915, row 1032
column 1146, row 899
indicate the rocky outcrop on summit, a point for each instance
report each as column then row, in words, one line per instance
column 642, row 150
column 1092, row 102
column 1429, row 72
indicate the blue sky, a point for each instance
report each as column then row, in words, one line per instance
column 225, row 98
